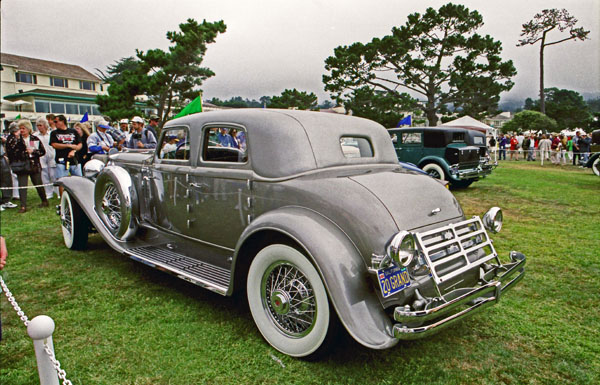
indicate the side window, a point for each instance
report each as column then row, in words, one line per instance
column 435, row 139
column 411, row 137
column 175, row 145
column 225, row 144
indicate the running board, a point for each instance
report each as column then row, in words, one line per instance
column 203, row 274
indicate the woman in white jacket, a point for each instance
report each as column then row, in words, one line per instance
column 47, row 161
column 544, row 146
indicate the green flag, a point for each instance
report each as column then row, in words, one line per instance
column 18, row 117
column 192, row 108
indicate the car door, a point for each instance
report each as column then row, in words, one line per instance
column 168, row 179
column 220, row 187
column 409, row 146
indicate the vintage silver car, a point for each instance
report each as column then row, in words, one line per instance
column 312, row 218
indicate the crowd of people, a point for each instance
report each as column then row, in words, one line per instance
column 54, row 150
column 556, row 148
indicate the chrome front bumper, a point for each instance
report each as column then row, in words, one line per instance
column 484, row 169
column 494, row 281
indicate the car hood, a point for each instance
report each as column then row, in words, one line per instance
column 412, row 200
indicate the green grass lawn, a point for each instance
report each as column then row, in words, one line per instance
column 121, row 322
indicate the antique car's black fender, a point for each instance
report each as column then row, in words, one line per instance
column 341, row 267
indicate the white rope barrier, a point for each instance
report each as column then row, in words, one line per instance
column 24, row 187
column 40, row 330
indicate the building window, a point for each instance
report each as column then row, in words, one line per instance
column 85, row 85
column 41, row 106
column 57, row 108
column 95, row 110
column 59, row 82
column 83, row 108
column 72, row 109
column 26, row 78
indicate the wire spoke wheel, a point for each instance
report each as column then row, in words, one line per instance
column 288, row 297
column 111, row 207
column 66, row 217
column 115, row 202
column 288, row 301
column 74, row 223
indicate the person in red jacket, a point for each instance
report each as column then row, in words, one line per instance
column 514, row 146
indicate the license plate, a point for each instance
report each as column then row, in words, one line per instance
column 393, row 280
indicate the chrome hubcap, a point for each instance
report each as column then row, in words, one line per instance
column 280, row 302
column 288, row 299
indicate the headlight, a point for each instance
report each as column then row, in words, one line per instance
column 92, row 168
column 402, row 248
column 492, row 220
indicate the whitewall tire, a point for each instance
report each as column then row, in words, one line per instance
column 288, row 301
column 596, row 166
column 434, row 170
column 74, row 223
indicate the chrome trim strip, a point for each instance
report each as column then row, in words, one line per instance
column 401, row 315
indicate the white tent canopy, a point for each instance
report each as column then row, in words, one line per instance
column 469, row 122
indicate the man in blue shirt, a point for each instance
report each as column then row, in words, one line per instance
column 225, row 140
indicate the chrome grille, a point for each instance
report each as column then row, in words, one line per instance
column 455, row 248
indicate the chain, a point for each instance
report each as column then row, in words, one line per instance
column 61, row 372
column 13, row 302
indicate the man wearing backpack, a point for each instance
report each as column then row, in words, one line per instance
column 141, row 138
column 526, row 146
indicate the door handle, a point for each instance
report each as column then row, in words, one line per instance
column 199, row 185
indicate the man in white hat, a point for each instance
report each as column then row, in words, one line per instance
column 140, row 138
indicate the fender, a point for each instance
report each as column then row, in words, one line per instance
column 81, row 190
column 340, row 265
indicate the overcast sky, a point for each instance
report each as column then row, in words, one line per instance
column 271, row 45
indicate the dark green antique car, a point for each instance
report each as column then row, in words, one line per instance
column 456, row 155
column 311, row 218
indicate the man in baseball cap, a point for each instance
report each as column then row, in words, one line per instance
column 100, row 141
column 153, row 124
column 141, row 138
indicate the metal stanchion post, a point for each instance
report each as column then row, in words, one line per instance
column 40, row 330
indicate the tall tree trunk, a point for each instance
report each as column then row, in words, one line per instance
column 542, row 96
column 430, row 111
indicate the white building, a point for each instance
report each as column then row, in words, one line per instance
column 33, row 87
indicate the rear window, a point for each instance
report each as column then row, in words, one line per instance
column 458, row 137
column 356, row 147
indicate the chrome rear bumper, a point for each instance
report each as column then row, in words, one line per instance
column 494, row 282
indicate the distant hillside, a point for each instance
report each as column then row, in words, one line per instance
column 511, row 104
column 514, row 104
